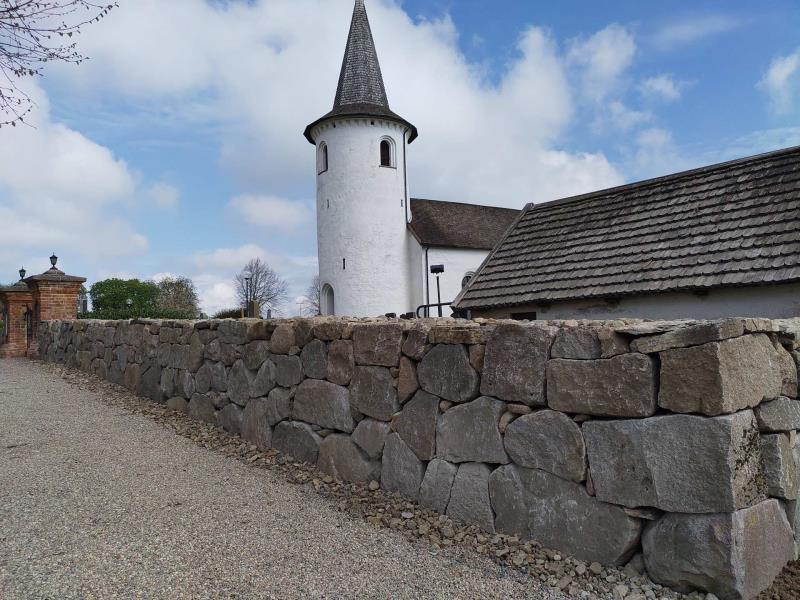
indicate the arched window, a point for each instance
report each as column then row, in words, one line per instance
column 327, row 305
column 322, row 158
column 467, row 278
column 387, row 152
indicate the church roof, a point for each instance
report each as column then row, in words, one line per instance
column 459, row 225
column 361, row 92
column 731, row 224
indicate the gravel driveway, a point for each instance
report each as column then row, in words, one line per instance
column 99, row 503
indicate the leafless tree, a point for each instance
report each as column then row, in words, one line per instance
column 311, row 302
column 32, row 33
column 258, row 281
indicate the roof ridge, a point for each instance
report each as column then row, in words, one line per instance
column 747, row 160
column 466, row 204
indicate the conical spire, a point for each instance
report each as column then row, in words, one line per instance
column 360, row 81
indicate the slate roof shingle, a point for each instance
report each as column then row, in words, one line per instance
column 458, row 225
column 361, row 91
column 732, row 224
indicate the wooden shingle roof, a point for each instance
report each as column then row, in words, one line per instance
column 458, row 225
column 732, row 224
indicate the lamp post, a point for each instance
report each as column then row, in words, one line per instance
column 438, row 270
column 22, row 273
column 53, row 260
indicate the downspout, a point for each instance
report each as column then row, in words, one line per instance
column 405, row 174
column 427, row 283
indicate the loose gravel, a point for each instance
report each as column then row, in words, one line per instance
column 99, row 499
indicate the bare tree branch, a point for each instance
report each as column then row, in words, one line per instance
column 32, row 33
column 312, row 299
column 265, row 286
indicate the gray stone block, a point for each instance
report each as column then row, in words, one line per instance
column 370, row 435
column 315, row 359
column 470, row 433
column 550, row 441
column 377, row 344
column 623, row 386
column 340, row 362
column 402, row 471
column 781, row 414
column 445, row 371
column 469, row 496
column 265, row 380
column 407, row 383
column 720, row 377
column 560, row 514
column 232, row 331
column 341, row 458
column 733, row 555
column 178, row 404
column 256, row 425
column 677, row 463
column 195, row 353
column 202, row 380
column 779, row 457
column 514, row 363
column 297, row 440
column 255, row 353
column 230, row 419
column 239, row 381
column 288, row 370
column 434, row 493
column 693, row 335
column 372, row 393
column 219, row 377
column 577, row 342
column 323, row 404
column 417, row 424
column 282, row 340
column 202, row 409
column 416, row 342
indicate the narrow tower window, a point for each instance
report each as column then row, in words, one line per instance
column 387, row 152
column 322, row 159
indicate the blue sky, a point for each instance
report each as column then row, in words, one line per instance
column 177, row 148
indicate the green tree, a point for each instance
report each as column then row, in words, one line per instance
column 132, row 297
column 178, row 294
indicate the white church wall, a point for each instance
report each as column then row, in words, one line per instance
column 361, row 218
column 773, row 301
column 457, row 263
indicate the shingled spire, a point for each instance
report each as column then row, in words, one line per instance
column 361, row 92
column 360, row 81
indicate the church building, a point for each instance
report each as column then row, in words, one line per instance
column 377, row 247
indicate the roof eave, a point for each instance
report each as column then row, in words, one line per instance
column 413, row 132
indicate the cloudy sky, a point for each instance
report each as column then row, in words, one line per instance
column 178, row 147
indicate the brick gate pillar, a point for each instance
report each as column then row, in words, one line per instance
column 18, row 300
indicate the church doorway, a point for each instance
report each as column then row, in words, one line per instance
column 328, row 307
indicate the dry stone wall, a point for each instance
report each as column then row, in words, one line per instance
column 668, row 443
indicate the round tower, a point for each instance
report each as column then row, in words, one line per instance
column 362, row 189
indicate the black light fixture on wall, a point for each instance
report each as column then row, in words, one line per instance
column 53, row 260
column 22, row 273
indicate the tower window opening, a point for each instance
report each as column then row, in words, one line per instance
column 387, row 153
column 322, row 159
column 467, row 278
column 344, row 264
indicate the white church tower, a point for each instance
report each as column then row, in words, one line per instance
column 362, row 189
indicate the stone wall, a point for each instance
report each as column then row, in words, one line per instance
column 674, row 443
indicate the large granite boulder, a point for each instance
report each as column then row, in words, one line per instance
column 469, row 496
column 692, row 335
column 255, row 353
column 201, row 408
column 340, row 457
column 417, row 424
column 232, row 331
column 720, row 377
column 560, row 514
column 377, row 344
column 283, row 339
column 416, row 343
column 370, row 435
column 407, row 383
column 781, row 414
column 550, row 441
column 230, row 419
column 470, row 432
column 514, row 363
column 315, row 359
column 372, row 393
column 323, row 404
column 779, row 452
column 219, row 377
column 733, row 555
column 288, row 370
column 434, row 493
column 677, row 463
column 256, row 427
column 622, row 386
column 402, row 471
column 239, row 381
column 265, row 380
column 340, row 362
column 588, row 343
column 297, row 440
column 445, row 371
column 202, row 379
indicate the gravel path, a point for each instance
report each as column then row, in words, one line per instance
column 96, row 502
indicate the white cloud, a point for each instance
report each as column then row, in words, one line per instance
column 781, row 82
column 271, row 212
column 663, row 87
column 657, row 154
column 625, row 118
column 604, row 57
column 692, row 30
column 164, row 196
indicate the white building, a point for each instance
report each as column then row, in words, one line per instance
column 376, row 245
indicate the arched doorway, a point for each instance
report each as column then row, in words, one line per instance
column 327, row 303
